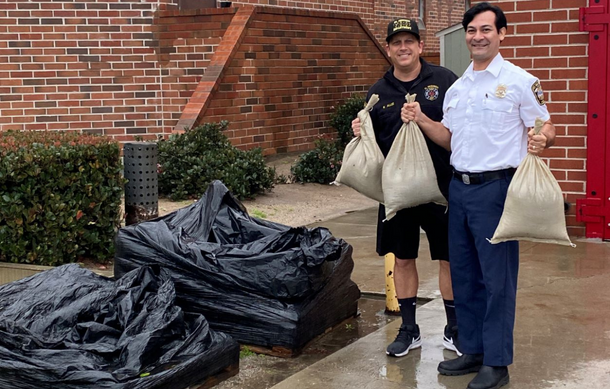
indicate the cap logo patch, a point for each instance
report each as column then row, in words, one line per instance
column 402, row 24
column 431, row 92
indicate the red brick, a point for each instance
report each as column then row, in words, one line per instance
column 571, row 164
column 570, row 141
column 556, row 39
column 569, row 51
column 517, row 40
column 550, row 16
column 568, row 73
column 565, row 27
column 560, row 175
column 577, row 176
column 579, row 38
column 533, row 28
column 532, row 52
column 577, row 130
column 569, row 119
column 567, row 186
column 569, row 4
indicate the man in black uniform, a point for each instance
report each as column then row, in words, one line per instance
column 400, row 235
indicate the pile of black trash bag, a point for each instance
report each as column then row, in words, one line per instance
column 69, row 328
column 263, row 283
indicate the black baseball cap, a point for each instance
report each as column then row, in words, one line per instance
column 402, row 25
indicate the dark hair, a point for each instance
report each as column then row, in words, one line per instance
column 483, row 7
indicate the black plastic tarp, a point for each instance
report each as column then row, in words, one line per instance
column 69, row 328
column 263, row 283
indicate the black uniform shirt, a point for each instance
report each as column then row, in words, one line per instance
column 430, row 87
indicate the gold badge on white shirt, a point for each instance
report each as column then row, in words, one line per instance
column 501, row 90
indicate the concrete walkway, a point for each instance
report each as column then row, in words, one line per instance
column 562, row 332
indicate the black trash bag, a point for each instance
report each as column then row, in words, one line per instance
column 69, row 328
column 263, row 283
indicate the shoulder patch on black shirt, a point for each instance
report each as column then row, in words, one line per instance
column 431, row 92
column 538, row 93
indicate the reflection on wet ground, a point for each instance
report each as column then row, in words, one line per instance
column 262, row 371
column 562, row 330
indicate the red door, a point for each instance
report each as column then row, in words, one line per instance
column 594, row 210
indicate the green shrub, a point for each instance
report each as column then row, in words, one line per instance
column 319, row 165
column 190, row 161
column 341, row 119
column 322, row 164
column 60, row 197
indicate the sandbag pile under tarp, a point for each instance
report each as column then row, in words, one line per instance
column 263, row 283
column 69, row 328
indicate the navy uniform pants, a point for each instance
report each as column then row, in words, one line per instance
column 484, row 276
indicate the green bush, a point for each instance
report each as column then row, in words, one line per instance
column 341, row 119
column 60, row 197
column 190, row 161
column 319, row 165
column 322, row 164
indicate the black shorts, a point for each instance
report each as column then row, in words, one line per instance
column 400, row 235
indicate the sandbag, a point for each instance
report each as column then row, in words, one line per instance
column 534, row 205
column 263, row 283
column 69, row 328
column 408, row 177
column 363, row 159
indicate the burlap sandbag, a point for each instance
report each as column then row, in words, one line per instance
column 534, row 206
column 362, row 158
column 408, row 178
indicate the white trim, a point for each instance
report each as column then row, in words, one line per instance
column 442, row 49
column 448, row 30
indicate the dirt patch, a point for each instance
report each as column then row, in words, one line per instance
column 294, row 204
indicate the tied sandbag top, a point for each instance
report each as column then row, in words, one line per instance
column 70, row 328
column 216, row 242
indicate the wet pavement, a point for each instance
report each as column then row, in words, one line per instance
column 262, row 371
column 562, row 331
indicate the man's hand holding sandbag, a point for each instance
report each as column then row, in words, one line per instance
column 410, row 111
column 356, row 127
column 545, row 139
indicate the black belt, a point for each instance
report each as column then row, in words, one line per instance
column 479, row 178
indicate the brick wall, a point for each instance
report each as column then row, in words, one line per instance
column 124, row 68
column 117, row 68
column 439, row 14
column 92, row 66
column 543, row 38
column 285, row 72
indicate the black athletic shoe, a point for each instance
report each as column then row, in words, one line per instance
column 407, row 339
column 450, row 340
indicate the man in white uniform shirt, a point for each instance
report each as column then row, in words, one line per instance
column 487, row 113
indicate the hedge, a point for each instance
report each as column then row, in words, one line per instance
column 60, row 197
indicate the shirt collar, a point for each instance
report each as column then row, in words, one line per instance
column 494, row 67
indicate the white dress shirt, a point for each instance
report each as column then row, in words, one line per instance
column 488, row 113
